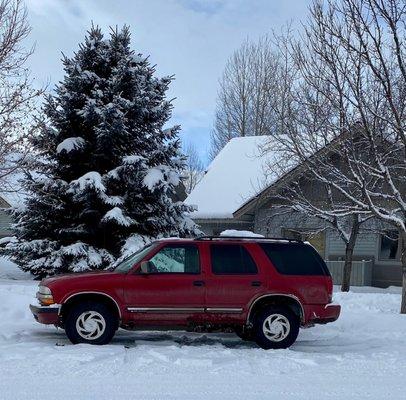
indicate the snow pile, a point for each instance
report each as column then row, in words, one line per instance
column 70, row 144
column 342, row 360
column 238, row 172
column 234, row 232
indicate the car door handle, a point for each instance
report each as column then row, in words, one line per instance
column 255, row 283
column 198, row 283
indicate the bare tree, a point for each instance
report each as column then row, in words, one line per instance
column 250, row 84
column 351, row 92
column 312, row 199
column 17, row 97
column 194, row 168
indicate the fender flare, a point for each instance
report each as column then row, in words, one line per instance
column 290, row 296
column 91, row 292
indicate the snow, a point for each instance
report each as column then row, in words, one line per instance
column 157, row 176
column 132, row 244
column 237, row 173
column 10, row 270
column 153, row 178
column 91, row 180
column 361, row 356
column 70, row 144
column 116, row 214
column 234, row 232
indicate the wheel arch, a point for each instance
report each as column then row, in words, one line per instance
column 283, row 299
column 90, row 296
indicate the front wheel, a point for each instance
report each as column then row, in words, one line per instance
column 91, row 323
column 276, row 327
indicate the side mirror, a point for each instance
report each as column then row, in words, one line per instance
column 145, row 267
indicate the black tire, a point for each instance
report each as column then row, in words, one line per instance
column 103, row 321
column 245, row 335
column 287, row 330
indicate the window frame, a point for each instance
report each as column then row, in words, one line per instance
column 173, row 245
column 241, row 245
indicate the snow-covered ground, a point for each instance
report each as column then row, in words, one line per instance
column 361, row 356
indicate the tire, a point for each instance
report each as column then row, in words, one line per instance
column 276, row 327
column 91, row 323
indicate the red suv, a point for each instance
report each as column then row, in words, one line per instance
column 262, row 289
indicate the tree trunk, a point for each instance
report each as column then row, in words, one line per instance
column 349, row 251
column 403, row 260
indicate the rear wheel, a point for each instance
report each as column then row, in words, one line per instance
column 276, row 327
column 91, row 323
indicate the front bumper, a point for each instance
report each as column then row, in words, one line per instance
column 322, row 314
column 48, row 315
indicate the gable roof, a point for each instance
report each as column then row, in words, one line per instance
column 238, row 173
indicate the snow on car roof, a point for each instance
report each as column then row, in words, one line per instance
column 238, row 173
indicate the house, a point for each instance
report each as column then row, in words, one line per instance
column 5, row 217
column 237, row 193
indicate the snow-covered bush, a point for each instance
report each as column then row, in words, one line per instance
column 106, row 170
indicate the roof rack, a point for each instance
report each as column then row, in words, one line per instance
column 253, row 238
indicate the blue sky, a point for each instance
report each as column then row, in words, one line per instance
column 190, row 39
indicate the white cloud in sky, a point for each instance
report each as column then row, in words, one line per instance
column 190, row 39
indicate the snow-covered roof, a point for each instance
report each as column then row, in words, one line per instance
column 238, row 173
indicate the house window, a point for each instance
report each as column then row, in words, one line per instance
column 389, row 246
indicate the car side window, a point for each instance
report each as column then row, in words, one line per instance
column 176, row 259
column 231, row 259
column 295, row 259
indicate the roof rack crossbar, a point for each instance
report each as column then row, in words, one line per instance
column 204, row 237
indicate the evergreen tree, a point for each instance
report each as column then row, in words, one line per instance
column 105, row 171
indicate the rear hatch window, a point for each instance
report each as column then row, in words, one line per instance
column 295, row 259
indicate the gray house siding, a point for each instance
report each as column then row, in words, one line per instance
column 366, row 245
column 5, row 223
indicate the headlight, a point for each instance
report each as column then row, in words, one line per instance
column 44, row 296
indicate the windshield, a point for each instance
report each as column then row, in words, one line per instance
column 130, row 261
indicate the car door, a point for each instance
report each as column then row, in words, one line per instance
column 173, row 292
column 233, row 280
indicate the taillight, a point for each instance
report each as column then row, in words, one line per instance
column 330, row 289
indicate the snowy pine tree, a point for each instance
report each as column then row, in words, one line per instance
column 106, row 171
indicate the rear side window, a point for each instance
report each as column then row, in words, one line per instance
column 295, row 259
column 231, row 259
